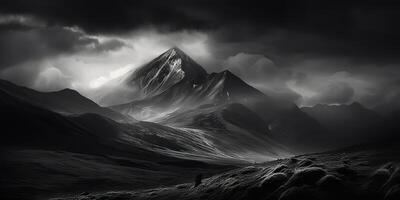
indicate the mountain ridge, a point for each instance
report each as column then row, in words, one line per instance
column 66, row 101
column 347, row 123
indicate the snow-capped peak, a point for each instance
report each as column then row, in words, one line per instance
column 176, row 52
column 168, row 69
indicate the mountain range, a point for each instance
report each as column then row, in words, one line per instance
column 180, row 121
column 173, row 83
column 72, row 141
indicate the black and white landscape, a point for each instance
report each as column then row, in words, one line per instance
column 199, row 100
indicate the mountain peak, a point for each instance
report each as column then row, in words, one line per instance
column 70, row 93
column 228, row 73
column 175, row 48
column 229, row 76
column 175, row 51
column 171, row 67
column 68, row 90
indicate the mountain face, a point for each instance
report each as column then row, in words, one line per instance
column 65, row 101
column 173, row 83
column 171, row 67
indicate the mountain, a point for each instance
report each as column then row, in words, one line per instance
column 348, row 123
column 173, row 83
column 174, row 79
column 164, row 71
column 65, row 101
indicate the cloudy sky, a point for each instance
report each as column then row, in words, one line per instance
column 309, row 52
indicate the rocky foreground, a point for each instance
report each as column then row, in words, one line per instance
column 347, row 174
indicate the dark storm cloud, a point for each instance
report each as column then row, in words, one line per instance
column 20, row 43
column 19, row 46
column 356, row 28
column 26, row 41
column 108, row 16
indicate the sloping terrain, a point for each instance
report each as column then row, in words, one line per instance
column 212, row 146
column 44, row 153
column 233, row 127
column 359, row 173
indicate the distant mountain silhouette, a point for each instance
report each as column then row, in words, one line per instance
column 390, row 125
column 349, row 123
column 65, row 101
column 27, row 125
